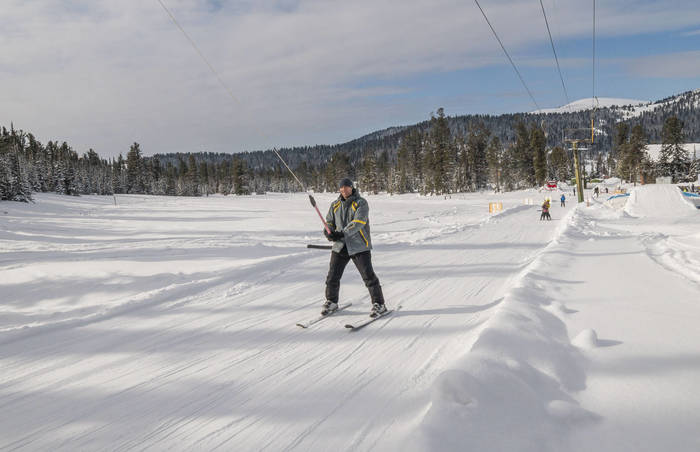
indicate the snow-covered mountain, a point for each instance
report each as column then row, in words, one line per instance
column 590, row 103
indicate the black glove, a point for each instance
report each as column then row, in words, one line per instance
column 333, row 236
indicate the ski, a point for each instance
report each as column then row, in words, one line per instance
column 364, row 323
column 321, row 317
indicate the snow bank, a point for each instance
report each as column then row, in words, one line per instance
column 511, row 390
column 658, row 201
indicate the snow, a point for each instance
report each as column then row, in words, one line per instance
column 169, row 323
column 664, row 202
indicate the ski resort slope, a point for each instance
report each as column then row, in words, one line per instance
column 169, row 323
column 166, row 323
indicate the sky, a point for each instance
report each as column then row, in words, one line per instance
column 104, row 74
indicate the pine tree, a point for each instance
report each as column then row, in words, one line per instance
column 428, row 169
column 414, row 143
column 599, row 165
column 465, row 164
column 134, row 182
column 238, row 177
column 673, row 159
column 4, row 177
column 493, row 158
column 338, row 168
column 694, row 168
column 383, row 165
column 477, row 142
column 203, row 178
column 523, row 157
column 442, row 164
column 191, row 177
column 403, row 164
column 369, row 173
column 509, row 169
column 560, row 163
column 117, row 177
column 538, row 143
column 634, row 154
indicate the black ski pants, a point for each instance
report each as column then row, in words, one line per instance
column 363, row 262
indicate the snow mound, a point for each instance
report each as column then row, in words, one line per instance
column 658, row 201
column 586, row 339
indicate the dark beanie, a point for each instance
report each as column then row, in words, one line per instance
column 345, row 183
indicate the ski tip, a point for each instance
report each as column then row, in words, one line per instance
column 350, row 327
column 301, row 326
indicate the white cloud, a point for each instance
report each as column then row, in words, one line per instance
column 103, row 74
column 672, row 65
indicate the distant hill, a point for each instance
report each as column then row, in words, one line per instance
column 609, row 111
column 590, row 103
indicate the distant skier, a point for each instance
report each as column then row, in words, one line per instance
column 348, row 219
column 563, row 200
column 596, row 192
column 545, row 211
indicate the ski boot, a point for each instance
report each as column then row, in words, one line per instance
column 329, row 307
column 377, row 310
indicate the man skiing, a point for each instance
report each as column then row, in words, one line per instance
column 563, row 200
column 348, row 220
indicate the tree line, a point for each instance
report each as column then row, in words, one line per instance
column 436, row 158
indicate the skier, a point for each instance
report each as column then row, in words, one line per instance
column 348, row 220
column 545, row 211
column 595, row 192
column 563, row 200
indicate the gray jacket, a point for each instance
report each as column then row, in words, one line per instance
column 352, row 217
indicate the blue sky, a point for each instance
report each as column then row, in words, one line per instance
column 104, row 74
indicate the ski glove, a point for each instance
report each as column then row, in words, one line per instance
column 333, row 236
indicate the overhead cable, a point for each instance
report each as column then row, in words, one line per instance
column 507, row 55
column 561, row 77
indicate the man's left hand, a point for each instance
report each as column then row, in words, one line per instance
column 336, row 235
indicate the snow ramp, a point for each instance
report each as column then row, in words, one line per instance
column 658, row 201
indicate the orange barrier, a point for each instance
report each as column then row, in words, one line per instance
column 495, row 207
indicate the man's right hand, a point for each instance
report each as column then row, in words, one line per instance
column 333, row 236
column 328, row 236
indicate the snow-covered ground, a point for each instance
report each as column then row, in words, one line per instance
column 169, row 323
